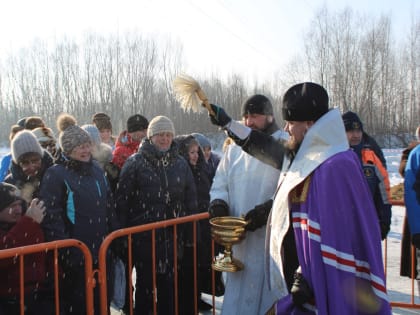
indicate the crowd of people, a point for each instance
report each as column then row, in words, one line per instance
column 315, row 196
column 86, row 183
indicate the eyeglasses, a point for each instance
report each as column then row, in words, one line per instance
column 27, row 162
column 82, row 147
column 48, row 144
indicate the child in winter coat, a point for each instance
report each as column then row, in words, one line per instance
column 20, row 226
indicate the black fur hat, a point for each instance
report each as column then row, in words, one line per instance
column 305, row 102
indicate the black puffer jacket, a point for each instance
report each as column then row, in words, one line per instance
column 155, row 186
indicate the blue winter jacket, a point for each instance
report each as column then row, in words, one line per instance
column 79, row 205
column 412, row 190
column 5, row 163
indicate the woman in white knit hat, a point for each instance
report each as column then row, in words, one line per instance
column 29, row 163
column 156, row 184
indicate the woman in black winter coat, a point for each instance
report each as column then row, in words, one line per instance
column 190, row 149
column 156, row 184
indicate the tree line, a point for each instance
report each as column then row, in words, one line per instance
column 356, row 58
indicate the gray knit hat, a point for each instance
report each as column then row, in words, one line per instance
column 72, row 137
column 25, row 142
column 160, row 124
column 94, row 133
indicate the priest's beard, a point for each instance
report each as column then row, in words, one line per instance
column 292, row 146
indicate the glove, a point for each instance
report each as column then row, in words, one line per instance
column 220, row 118
column 36, row 210
column 384, row 231
column 258, row 216
column 415, row 239
column 218, row 208
column 301, row 292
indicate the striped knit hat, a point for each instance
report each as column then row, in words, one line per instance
column 160, row 124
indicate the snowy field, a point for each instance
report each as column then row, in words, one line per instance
column 399, row 288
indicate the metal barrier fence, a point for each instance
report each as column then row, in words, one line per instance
column 101, row 272
column 20, row 252
column 128, row 232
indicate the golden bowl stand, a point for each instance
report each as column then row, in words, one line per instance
column 227, row 231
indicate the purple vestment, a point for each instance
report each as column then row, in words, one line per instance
column 338, row 247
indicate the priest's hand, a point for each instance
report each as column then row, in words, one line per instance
column 218, row 208
column 258, row 216
column 301, row 292
column 220, row 118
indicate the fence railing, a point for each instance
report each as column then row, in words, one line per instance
column 21, row 252
column 101, row 272
column 128, row 233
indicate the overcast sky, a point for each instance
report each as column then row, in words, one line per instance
column 246, row 36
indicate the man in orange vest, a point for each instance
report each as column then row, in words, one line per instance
column 374, row 170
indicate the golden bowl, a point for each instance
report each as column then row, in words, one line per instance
column 227, row 231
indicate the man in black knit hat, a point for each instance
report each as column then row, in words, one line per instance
column 375, row 172
column 244, row 186
column 129, row 140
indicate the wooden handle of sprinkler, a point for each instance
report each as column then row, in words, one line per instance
column 202, row 96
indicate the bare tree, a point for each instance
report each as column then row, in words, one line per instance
column 354, row 57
